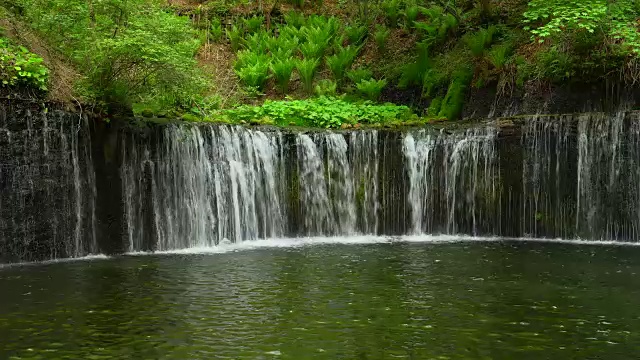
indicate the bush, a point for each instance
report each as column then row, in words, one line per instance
column 19, row 67
column 371, row 89
column 253, row 69
column 282, row 69
column 392, row 11
column 253, row 24
column 326, row 87
column 295, row 19
column 307, row 70
column 499, row 55
column 477, row 42
column 236, row 37
column 216, row 31
column 356, row 34
column 340, row 62
column 381, row 35
column 411, row 15
column 359, row 74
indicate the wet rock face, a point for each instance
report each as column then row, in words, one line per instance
column 45, row 185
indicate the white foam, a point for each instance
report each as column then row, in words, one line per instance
column 90, row 257
column 370, row 239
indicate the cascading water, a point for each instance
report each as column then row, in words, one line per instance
column 185, row 186
column 452, row 185
column 47, row 186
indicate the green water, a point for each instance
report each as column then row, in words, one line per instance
column 497, row 300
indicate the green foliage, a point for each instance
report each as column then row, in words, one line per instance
column 434, row 107
column 257, row 42
column 477, row 42
column 392, row 12
column 359, row 74
column 498, row 55
column 252, row 68
column 371, row 89
column 216, row 31
column 556, row 16
column 307, row 70
column 325, row 112
column 295, row 19
column 236, row 37
column 313, row 50
column 414, row 72
column 282, row 69
column 340, row 62
column 253, row 24
column 381, row 35
column 19, row 67
column 326, row 87
column 452, row 103
column 356, row 34
column 411, row 15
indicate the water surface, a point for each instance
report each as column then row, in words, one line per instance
column 378, row 300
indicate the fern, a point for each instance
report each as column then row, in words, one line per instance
column 295, row 19
column 340, row 62
column 498, row 56
column 236, row 37
column 359, row 74
column 254, row 75
column 253, row 24
column 282, row 70
column 371, row 89
column 356, row 34
column 477, row 42
column 411, row 15
column 392, row 11
column 326, row 88
column 381, row 35
column 216, row 31
column 307, row 70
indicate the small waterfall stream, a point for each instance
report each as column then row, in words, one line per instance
column 188, row 186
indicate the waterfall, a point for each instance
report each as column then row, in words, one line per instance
column 208, row 185
column 69, row 188
column 452, row 187
column 47, row 186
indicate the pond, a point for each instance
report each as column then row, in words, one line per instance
column 341, row 299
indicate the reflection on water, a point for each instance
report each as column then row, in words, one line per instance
column 471, row 300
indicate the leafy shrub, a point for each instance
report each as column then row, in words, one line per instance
column 359, row 74
column 356, row 34
column 19, row 67
column 477, row 42
column 371, row 89
column 313, row 50
column 295, row 19
column 392, row 12
column 253, row 69
column 326, row 87
column 253, row 24
column 216, row 31
column 257, row 42
column 307, row 70
column 498, row 55
column 411, row 15
column 282, row 69
column 381, row 35
column 236, row 37
column 340, row 62
column 325, row 112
